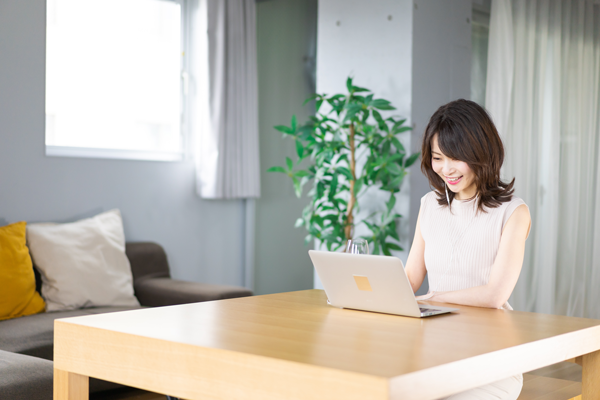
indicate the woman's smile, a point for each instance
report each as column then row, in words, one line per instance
column 453, row 181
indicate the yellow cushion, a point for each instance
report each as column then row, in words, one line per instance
column 17, row 281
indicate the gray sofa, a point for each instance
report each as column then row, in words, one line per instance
column 26, row 343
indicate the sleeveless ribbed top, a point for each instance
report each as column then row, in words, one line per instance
column 461, row 243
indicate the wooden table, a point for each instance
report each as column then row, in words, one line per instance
column 294, row 346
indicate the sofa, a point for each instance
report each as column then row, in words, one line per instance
column 26, row 343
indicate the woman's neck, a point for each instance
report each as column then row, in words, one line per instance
column 466, row 194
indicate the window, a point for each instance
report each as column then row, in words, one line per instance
column 114, row 79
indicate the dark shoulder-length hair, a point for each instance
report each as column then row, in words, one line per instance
column 466, row 133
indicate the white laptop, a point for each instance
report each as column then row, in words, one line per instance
column 369, row 283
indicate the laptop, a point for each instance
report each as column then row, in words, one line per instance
column 369, row 283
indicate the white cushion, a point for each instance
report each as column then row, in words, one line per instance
column 83, row 264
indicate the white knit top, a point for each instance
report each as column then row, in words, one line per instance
column 461, row 243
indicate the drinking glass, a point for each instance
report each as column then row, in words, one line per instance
column 357, row 246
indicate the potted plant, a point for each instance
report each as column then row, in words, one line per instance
column 346, row 149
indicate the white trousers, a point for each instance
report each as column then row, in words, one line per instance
column 506, row 389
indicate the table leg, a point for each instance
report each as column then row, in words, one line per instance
column 591, row 376
column 70, row 386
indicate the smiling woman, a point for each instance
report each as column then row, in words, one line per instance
column 471, row 231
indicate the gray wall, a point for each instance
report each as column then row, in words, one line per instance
column 441, row 73
column 203, row 239
column 286, row 31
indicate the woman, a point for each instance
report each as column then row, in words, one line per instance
column 470, row 234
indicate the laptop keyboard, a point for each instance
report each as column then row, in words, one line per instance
column 427, row 310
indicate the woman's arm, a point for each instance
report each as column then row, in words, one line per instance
column 505, row 271
column 415, row 265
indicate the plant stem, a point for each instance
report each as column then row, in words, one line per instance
column 349, row 217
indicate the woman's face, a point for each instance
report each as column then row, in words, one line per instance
column 458, row 175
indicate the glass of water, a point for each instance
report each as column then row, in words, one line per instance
column 357, row 246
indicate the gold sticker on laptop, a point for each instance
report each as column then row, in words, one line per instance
column 362, row 282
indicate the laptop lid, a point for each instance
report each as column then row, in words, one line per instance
column 366, row 282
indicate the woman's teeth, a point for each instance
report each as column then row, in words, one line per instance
column 454, row 181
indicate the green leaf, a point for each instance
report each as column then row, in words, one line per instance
column 375, row 248
column 393, row 246
column 349, row 84
column 318, row 104
column 297, row 186
column 411, row 160
column 399, row 123
column 385, row 249
column 346, row 172
column 333, row 186
column 397, row 144
column 276, row 169
column 352, row 110
column 320, row 190
column 299, row 223
column 302, row 173
column 382, row 104
column 394, row 169
column 396, row 182
column 373, row 228
column 391, row 203
column 358, row 184
column 357, row 89
column 394, row 233
column 284, row 129
column 402, row 129
column 299, row 149
column 294, row 124
column 365, row 116
column 314, row 96
column 386, row 147
column 378, row 118
column 289, row 163
column 387, row 219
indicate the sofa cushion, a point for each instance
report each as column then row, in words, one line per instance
column 83, row 264
column 34, row 335
column 18, row 296
column 24, row 377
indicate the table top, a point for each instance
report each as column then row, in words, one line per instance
column 300, row 327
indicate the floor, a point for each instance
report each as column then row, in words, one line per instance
column 565, row 385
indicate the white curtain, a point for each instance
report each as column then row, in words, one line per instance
column 224, row 101
column 543, row 91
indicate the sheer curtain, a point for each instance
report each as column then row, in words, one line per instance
column 543, row 91
column 224, row 98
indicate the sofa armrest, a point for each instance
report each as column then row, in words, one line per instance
column 166, row 292
column 148, row 260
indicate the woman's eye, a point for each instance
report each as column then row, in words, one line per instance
column 436, row 159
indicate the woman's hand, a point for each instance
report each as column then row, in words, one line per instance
column 427, row 296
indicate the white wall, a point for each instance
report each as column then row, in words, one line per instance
column 441, row 65
column 372, row 41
